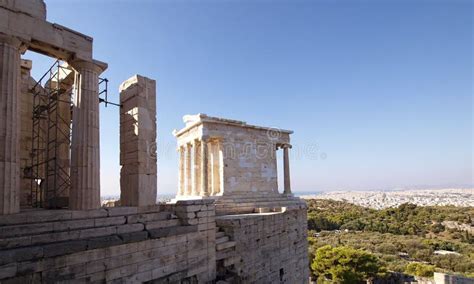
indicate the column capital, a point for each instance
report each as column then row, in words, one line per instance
column 94, row 65
column 283, row 146
column 216, row 139
column 12, row 41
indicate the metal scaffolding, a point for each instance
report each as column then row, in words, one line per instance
column 49, row 169
column 51, row 132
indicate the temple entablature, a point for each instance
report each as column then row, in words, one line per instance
column 26, row 21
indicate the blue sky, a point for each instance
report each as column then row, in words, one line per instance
column 379, row 93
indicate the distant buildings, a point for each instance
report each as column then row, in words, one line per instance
column 385, row 199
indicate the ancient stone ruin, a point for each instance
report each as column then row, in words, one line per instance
column 227, row 224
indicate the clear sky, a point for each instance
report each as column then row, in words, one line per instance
column 379, row 93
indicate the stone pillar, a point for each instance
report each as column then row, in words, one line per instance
column 57, row 192
column 138, row 175
column 220, row 151
column 188, row 161
column 215, row 166
column 196, row 168
column 9, row 125
column 26, row 110
column 181, row 171
column 204, row 168
column 85, row 151
column 286, row 169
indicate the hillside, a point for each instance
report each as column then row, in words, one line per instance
column 409, row 239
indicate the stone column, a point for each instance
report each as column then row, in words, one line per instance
column 189, row 182
column 56, row 195
column 181, row 171
column 286, row 169
column 215, row 165
column 204, row 168
column 220, row 151
column 138, row 175
column 9, row 125
column 85, row 151
column 26, row 111
column 196, row 168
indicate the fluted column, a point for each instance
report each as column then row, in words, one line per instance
column 196, row 168
column 204, row 169
column 188, row 169
column 286, row 169
column 181, row 171
column 85, row 145
column 9, row 125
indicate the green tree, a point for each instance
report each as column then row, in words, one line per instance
column 345, row 264
column 420, row 269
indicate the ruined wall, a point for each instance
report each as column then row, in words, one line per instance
column 182, row 243
column 123, row 244
column 272, row 247
column 138, row 141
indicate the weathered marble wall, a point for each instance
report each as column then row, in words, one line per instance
column 272, row 247
column 164, row 243
column 249, row 157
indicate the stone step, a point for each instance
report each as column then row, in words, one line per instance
column 32, row 216
column 58, row 226
column 154, row 220
column 221, row 240
column 220, row 235
column 54, row 249
column 42, row 216
column 41, row 239
column 222, row 246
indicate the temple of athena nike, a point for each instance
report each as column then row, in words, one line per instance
column 228, row 222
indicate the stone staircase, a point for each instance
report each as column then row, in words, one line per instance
column 226, row 258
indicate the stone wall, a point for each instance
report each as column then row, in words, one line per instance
column 272, row 247
column 442, row 278
column 249, row 159
column 168, row 243
column 164, row 243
